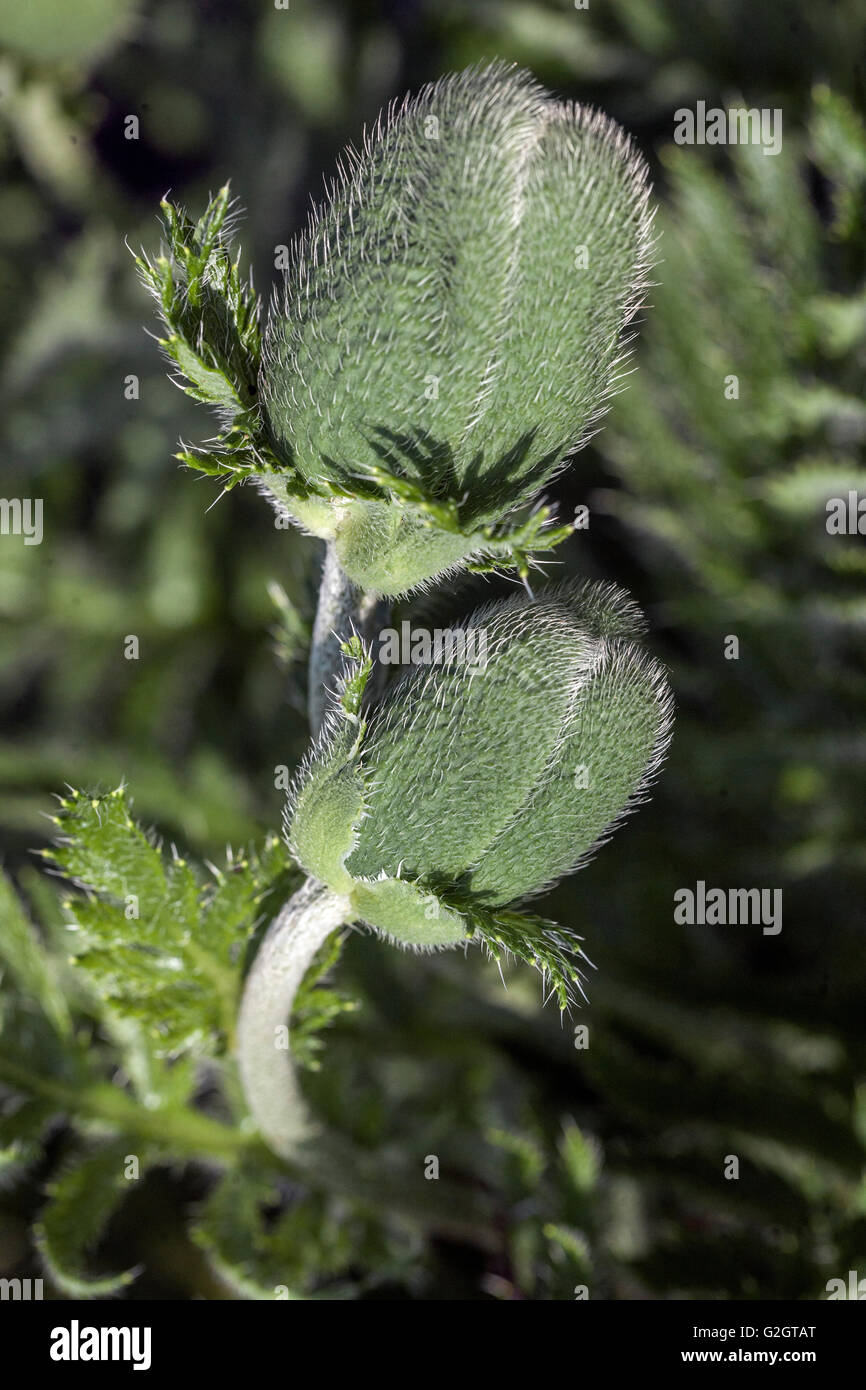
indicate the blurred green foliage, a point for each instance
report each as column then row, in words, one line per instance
column 560, row 1165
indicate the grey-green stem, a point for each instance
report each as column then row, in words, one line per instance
column 264, row 1058
column 342, row 609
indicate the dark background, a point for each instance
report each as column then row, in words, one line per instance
column 704, row 1041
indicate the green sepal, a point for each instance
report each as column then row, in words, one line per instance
column 323, row 830
column 408, row 914
column 322, row 820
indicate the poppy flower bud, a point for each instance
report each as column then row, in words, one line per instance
column 451, row 325
column 483, row 781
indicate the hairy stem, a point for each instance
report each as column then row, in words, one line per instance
column 267, row 1074
column 342, row 608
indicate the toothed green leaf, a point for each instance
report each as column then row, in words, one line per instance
column 24, row 958
column 80, row 1203
column 21, row 1131
column 104, row 850
column 317, row 1005
column 282, row 1260
column 210, row 315
column 535, row 941
column 839, row 138
column 581, row 1158
column 161, row 943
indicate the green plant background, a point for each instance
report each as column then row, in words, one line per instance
column 601, row 1166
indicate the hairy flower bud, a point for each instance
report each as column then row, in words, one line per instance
column 451, row 325
column 482, row 783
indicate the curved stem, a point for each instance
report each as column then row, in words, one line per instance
column 342, row 607
column 267, row 1074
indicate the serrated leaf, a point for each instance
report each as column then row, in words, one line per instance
column 162, row 948
column 316, row 1006
column 306, row 1243
column 536, row 941
column 103, row 849
column 25, row 958
column 80, row 1204
column 839, row 139
column 571, row 1243
column 21, row 1129
column 581, row 1158
column 240, row 895
column 524, row 1150
column 210, row 314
